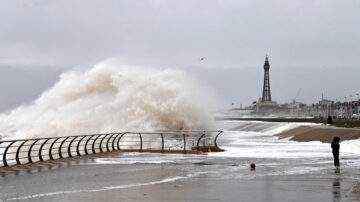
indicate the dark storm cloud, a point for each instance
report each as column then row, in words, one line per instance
column 298, row 35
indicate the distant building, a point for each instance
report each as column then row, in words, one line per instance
column 265, row 104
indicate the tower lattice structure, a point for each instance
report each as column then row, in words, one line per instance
column 266, row 97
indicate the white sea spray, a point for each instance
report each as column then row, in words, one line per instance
column 112, row 97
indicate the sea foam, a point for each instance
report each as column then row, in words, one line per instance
column 112, row 97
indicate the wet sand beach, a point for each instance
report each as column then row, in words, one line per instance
column 320, row 133
column 132, row 183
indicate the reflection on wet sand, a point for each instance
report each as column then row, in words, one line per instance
column 336, row 189
column 355, row 194
column 41, row 167
column 51, row 164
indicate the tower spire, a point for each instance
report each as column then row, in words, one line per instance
column 266, row 97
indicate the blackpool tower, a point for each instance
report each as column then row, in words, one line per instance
column 266, row 96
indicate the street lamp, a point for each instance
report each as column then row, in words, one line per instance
column 351, row 107
column 357, row 104
column 347, row 107
column 341, row 107
column 336, row 107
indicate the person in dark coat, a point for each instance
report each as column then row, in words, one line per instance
column 335, row 150
column 329, row 120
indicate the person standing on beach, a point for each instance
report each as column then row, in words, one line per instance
column 329, row 120
column 335, row 145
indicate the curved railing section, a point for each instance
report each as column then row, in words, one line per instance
column 24, row 151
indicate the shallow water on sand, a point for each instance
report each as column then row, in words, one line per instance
column 252, row 142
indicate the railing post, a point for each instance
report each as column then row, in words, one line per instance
column 102, row 139
column 51, row 146
column 108, row 141
column 93, row 145
column 184, row 142
column 162, row 142
column 204, row 141
column 4, row 155
column 0, row 143
column 216, row 138
column 40, row 150
column 86, row 143
column 141, row 143
column 69, row 147
column 198, row 142
column 61, row 144
column 113, row 142
column 18, row 152
column 78, row 146
column 29, row 153
column 118, row 142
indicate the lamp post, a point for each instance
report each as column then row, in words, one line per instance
column 357, row 94
column 347, row 106
column 341, row 107
column 351, row 112
column 336, row 109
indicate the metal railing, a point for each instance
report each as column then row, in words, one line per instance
column 23, row 151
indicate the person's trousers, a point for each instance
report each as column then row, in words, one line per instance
column 336, row 159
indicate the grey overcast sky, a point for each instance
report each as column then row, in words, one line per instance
column 312, row 44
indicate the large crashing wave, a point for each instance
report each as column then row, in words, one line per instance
column 110, row 98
